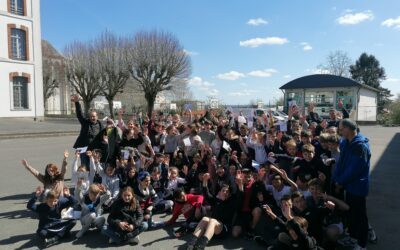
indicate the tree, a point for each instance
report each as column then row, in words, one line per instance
column 82, row 71
column 50, row 82
column 337, row 63
column 157, row 60
column 367, row 70
column 111, row 56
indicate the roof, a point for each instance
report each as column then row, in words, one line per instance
column 323, row 81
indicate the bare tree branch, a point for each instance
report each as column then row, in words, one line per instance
column 157, row 58
column 82, row 71
column 111, row 56
column 337, row 63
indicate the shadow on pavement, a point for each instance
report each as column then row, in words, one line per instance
column 18, row 214
column 16, row 197
column 383, row 200
column 33, row 240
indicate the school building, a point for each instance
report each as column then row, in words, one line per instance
column 21, row 81
column 325, row 90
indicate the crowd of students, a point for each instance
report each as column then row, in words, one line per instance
column 229, row 176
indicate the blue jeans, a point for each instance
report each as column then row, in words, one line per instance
column 118, row 237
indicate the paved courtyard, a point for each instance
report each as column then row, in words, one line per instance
column 16, row 185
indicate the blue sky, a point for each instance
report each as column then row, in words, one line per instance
column 242, row 50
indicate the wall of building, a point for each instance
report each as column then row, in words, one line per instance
column 367, row 105
column 31, row 68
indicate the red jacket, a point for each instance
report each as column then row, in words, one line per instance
column 192, row 201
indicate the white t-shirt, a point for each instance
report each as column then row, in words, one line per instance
column 286, row 190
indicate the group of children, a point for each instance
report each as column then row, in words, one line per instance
column 225, row 178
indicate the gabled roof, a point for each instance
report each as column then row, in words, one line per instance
column 323, row 81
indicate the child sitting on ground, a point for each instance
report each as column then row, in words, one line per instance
column 173, row 182
column 51, row 227
column 108, row 179
column 190, row 206
column 52, row 179
column 125, row 221
column 79, row 173
column 91, row 204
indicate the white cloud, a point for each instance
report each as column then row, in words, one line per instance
column 262, row 73
column 198, row 82
column 352, row 18
column 287, row 76
column 306, row 46
column 257, row 22
column 392, row 22
column 317, row 71
column 256, row 42
column 204, row 86
column 190, row 53
column 230, row 76
column 396, row 80
column 245, row 92
column 213, row 92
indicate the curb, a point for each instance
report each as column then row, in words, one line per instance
column 38, row 135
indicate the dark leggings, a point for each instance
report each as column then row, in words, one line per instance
column 58, row 229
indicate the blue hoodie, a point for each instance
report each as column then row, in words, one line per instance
column 352, row 170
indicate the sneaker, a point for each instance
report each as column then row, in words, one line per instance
column 260, row 241
column 372, row 238
column 51, row 241
column 357, row 247
column 191, row 242
column 134, row 241
column 347, row 241
column 81, row 232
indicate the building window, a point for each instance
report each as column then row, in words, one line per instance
column 18, row 44
column 347, row 99
column 320, row 99
column 17, row 7
column 20, row 92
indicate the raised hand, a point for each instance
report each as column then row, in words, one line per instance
column 340, row 103
column 39, row 191
column 330, row 205
column 75, row 98
column 105, row 139
column 185, row 170
column 24, row 163
column 66, row 153
column 89, row 153
column 206, row 177
column 66, row 192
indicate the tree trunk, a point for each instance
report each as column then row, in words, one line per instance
column 86, row 106
column 150, row 104
column 111, row 108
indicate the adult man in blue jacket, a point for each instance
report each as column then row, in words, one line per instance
column 352, row 173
